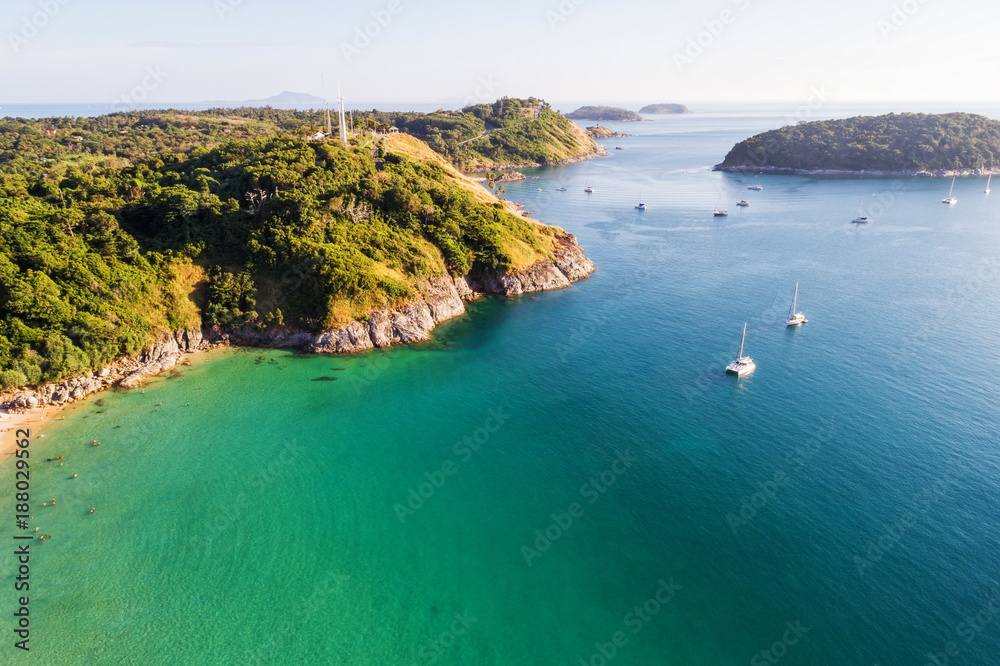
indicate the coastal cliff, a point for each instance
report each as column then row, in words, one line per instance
column 441, row 298
column 127, row 372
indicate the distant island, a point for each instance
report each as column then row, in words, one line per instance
column 129, row 237
column 604, row 113
column 665, row 108
column 906, row 144
column 286, row 98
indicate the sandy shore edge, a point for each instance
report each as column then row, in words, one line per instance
column 37, row 420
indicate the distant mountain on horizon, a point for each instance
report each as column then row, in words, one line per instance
column 285, row 98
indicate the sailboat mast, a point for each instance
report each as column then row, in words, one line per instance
column 795, row 301
column 743, row 340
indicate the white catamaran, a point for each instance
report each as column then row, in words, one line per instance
column 743, row 365
column 796, row 318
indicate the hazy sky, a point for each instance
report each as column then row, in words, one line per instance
column 428, row 50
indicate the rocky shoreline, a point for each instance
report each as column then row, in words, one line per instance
column 923, row 173
column 442, row 298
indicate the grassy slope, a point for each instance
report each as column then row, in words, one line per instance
column 523, row 254
column 551, row 138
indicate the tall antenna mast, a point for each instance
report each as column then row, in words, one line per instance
column 329, row 129
column 343, row 121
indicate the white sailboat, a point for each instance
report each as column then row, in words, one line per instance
column 638, row 202
column 718, row 211
column 988, row 183
column 858, row 217
column 950, row 199
column 743, row 365
column 796, row 318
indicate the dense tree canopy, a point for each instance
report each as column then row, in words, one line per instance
column 906, row 142
column 115, row 229
column 605, row 113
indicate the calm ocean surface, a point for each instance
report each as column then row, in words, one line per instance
column 521, row 489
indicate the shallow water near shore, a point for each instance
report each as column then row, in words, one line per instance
column 553, row 469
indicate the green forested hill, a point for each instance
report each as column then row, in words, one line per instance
column 485, row 136
column 605, row 113
column 101, row 252
column 907, row 142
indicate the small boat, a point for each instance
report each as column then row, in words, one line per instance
column 638, row 203
column 988, row 183
column 560, row 189
column 718, row 211
column 619, row 148
column 796, row 318
column 755, row 187
column 858, row 217
column 743, row 203
column 743, row 365
column 950, row 199
column 588, row 189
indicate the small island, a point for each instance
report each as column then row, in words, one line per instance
column 906, row 144
column 605, row 113
column 598, row 132
column 664, row 108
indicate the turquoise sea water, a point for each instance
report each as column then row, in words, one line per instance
column 847, row 489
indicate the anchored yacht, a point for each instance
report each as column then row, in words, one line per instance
column 743, row 365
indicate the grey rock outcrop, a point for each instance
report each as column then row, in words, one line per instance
column 441, row 298
column 126, row 373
